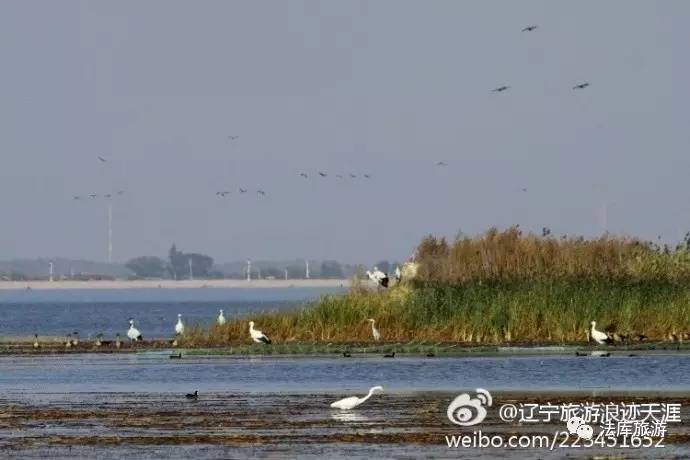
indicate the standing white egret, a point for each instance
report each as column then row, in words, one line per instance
column 179, row 327
column 133, row 333
column 598, row 336
column 354, row 401
column 375, row 332
column 36, row 344
column 221, row 318
column 398, row 274
column 257, row 335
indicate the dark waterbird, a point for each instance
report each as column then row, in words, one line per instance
column 194, row 395
column 500, row 89
column 346, row 354
column 389, row 355
column 176, row 356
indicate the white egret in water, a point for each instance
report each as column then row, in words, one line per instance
column 179, row 327
column 133, row 333
column 598, row 336
column 36, row 344
column 354, row 401
column 221, row 318
column 257, row 335
column 375, row 332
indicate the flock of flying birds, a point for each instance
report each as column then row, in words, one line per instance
column 322, row 174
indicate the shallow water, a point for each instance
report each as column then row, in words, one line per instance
column 91, row 311
column 30, row 376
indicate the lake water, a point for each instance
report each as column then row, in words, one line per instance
column 91, row 311
column 155, row 372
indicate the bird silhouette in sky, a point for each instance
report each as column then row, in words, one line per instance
column 223, row 193
column 441, row 163
column 322, row 174
column 581, row 85
column 103, row 159
column 530, row 28
column 93, row 195
column 261, row 192
column 354, row 176
column 243, row 190
column 233, row 138
column 500, row 89
column 367, row 176
column 77, row 197
column 339, row 176
column 303, row 175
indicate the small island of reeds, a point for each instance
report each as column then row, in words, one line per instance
column 502, row 287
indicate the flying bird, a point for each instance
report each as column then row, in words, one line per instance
column 322, row 174
column 243, row 190
column 303, row 175
column 233, row 138
column 256, row 335
column 222, row 193
column 339, row 176
column 441, row 163
column 93, row 195
column 354, row 401
column 581, row 85
column 529, row 28
column 261, row 192
column 103, row 159
column 107, row 195
column 354, row 176
column 367, row 176
column 500, row 89
column 76, row 197
column 120, row 192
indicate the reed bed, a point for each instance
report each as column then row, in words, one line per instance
column 501, row 287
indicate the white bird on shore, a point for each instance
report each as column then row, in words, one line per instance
column 375, row 332
column 36, row 344
column 221, row 318
column 354, row 401
column 398, row 274
column 179, row 327
column 133, row 333
column 380, row 277
column 256, row 335
column 598, row 336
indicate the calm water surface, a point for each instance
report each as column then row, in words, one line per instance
column 60, row 312
column 156, row 372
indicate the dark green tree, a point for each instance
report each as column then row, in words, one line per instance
column 147, row 266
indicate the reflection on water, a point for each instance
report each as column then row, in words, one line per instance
column 349, row 416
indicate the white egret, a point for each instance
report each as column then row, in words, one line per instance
column 256, row 335
column 354, row 401
column 36, row 344
column 179, row 327
column 598, row 336
column 133, row 333
column 375, row 332
column 221, row 318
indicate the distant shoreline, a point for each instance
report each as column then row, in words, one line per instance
column 170, row 284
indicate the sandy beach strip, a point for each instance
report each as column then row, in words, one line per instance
column 171, row 284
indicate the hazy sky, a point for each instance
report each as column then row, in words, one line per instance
column 387, row 88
